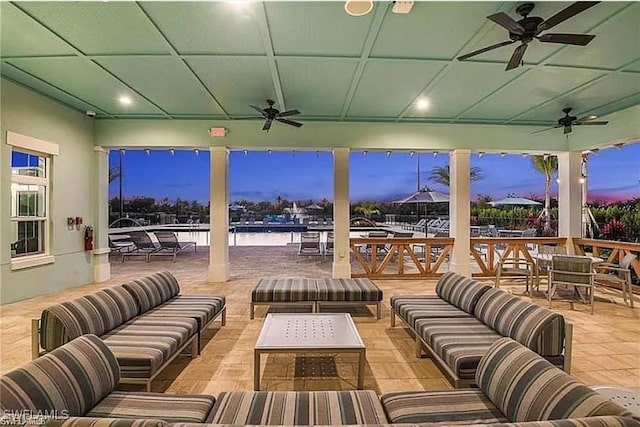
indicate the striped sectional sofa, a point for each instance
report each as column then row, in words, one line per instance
column 315, row 292
column 458, row 324
column 79, row 379
column 146, row 323
column 516, row 388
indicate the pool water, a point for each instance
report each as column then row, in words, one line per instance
column 252, row 239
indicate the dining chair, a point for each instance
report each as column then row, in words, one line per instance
column 608, row 274
column 572, row 271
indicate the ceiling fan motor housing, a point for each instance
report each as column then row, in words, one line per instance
column 530, row 25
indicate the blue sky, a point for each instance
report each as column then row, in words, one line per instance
column 614, row 174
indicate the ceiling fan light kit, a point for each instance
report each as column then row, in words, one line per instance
column 358, row 8
column 529, row 28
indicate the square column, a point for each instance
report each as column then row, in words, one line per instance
column 219, row 215
column 341, row 214
column 459, row 211
column 570, row 196
column 100, row 223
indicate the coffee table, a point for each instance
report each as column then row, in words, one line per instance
column 309, row 333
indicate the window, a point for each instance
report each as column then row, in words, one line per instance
column 30, row 186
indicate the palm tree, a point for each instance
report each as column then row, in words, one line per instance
column 367, row 209
column 546, row 165
column 440, row 175
column 114, row 173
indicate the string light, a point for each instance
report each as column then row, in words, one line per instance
column 435, row 154
column 582, row 179
column 147, row 151
column 293, row 153
column 412, row 153
column 546, row 156
column 503, row 155
column 269, row 152
column 172, row 151
column 317, row 154
column 122, row 152
column 619, row 145
column 197, row 152
column 364, row 153
column 388, row 154
column 524, row 155
column 245, row 152
column 481, row 154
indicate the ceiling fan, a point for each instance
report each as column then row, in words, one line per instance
column 529, row 28
column 568, row 120
column 270, row 114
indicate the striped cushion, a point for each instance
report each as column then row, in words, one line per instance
column 91, row 314
column 348, row 290
column 525, row 387
column 106, row 422
column 298, row 408
column 459, row 342
column 126, row 302
column 449, row 407
column 285, row 290
column 202, row 308
column 143, row 344
column 73, row 377
column 412, row 308
column 194, row 408
column 463, row 292
column 153, row 290
column 538, row 328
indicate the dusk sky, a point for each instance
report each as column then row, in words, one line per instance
column 614, row 174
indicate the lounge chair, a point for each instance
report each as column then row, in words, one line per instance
column 310, row 243
column 144, row 246
column 120, row 246
column 169, row 243
column 417, row 226
column 328, row 247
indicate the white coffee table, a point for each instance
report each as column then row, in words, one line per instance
column 309, row 333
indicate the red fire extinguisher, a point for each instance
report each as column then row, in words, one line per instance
column 88, row 238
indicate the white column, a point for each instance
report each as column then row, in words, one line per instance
column 569, row 196
column 341, row 215
column 459, row 211
column 101, row 266
column 219, row 215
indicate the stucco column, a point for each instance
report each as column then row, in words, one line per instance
column 219, row 215
column 341, row 215
column 100, row 223
column 459, row 211
column 569, row 196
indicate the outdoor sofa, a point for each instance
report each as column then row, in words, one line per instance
column 316, row 292
column 515, row 386
column 145, row 322
column 458, row 325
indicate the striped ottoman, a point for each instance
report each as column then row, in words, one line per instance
column 349, row 291
column 296, row 291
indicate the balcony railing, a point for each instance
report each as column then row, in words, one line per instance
column 613, row 251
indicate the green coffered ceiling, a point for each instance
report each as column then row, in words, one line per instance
column 211, row 59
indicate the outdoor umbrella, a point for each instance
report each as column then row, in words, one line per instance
column 236, row 207
column 425, row 195
column 514, row 201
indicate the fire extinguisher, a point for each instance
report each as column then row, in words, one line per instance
column 88, row 238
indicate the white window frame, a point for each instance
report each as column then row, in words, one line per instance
column 29, row 145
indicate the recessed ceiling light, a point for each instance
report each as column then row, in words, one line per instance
column 125, row 100
column 422, row 104
column 358, row 8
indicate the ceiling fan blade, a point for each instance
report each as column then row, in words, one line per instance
column 567, row 129
column 516, row 58
column 290, row 122
column 486, row 49
column 565, row 14
column 289, row 113
column 507, row 22
column 258, row 109
column 587, row 118
column 591, row 123
column 575, row 39
column 544, row 130
column 267, row 125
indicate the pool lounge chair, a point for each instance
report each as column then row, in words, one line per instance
column 310, row 243
column 169, row 243
column 144, row 246
column 328, row 247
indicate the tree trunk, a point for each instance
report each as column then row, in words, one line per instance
column 547, row 203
